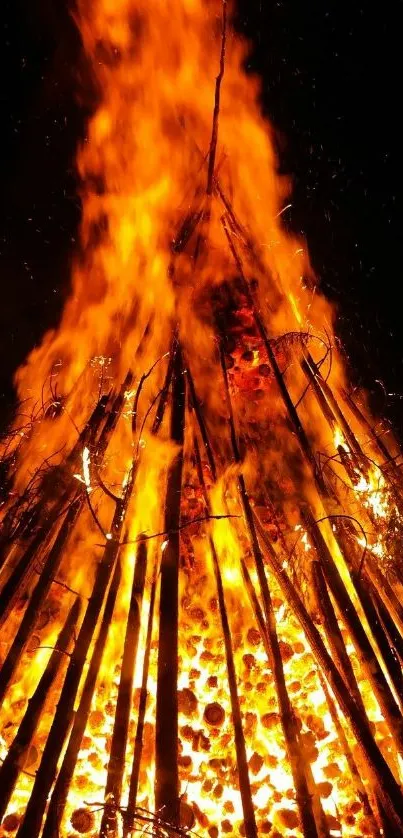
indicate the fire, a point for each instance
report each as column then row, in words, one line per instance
column 200, row 582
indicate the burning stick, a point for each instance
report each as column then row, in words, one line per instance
column 51, row 486
column 61, row 788
column 355, row 410
column 356, row 776
column 321, row 388
column 38, row 596
column 138, row 742
column 288, row 719
column 114, row 780
column 20, row 575
column 385, row 590
column 365, row 652
column 242, row 764
column 166, row 738
column 16, row 756
column 334, row 636
column 159, row 414
column 214, row 132
column 350, row 460
column 390, row 628
column 382, row 778
column 339, row 652
column 113, row 416
column 31, row 824
column 88, row 436
column 367, row 597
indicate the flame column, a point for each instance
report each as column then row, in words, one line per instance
column 166, row 733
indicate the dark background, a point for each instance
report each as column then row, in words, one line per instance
column 331, row 79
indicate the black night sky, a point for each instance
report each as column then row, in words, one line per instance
column 330, row 74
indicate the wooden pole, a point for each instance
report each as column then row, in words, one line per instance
column 335, row 639
column 60, row 791
column 112, row 416
column 382, row 778
column 218, row 83
column 355, row 774
column 360, row 416
column 166, row 736
column 114, row 780
column 366, row 655
column 51, row 487
column 366, row 595
column 38, row 596
column 333, row 633
column 389, row 625
column 138, row 742
column 31, row 824
column 240, row 747
column 325, row 396
column 17, row 753
column 385, row 590
column 288, row 719
column 21, row 574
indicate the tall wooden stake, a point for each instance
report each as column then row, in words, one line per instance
column 31, row 825
column 166, row 734
column 38, row 595
column 288, row 719
column 17, row 753
column 365, row 652
column 138, row 742
column 382, row 778
column 58, row 799
column 113, row 789
column 240, row 747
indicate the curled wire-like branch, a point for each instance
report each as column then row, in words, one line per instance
column 358, row 523
column 333, row 457
column 328, row 353
column 104, row 488
column 328, row 518
column 291, row 338
column 338, row 476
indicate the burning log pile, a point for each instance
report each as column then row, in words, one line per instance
column 200, row 589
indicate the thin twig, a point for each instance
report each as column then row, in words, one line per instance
column 200, row 520
column 216, row 114
column 356, row 521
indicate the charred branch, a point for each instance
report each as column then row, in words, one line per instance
column 113, row 789
column 17, row 753
column 60, row 791
column 166, row 737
